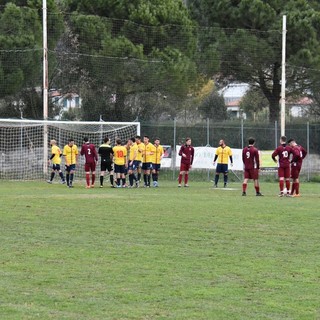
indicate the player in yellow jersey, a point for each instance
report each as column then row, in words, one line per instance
column 133, row 164
column 147, row 155
column 55, row 159
column 223, row 154
column 70, row 153
column 156, row 161
column 120, row 162
column 139, row 157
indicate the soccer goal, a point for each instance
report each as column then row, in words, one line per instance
column 24, row 144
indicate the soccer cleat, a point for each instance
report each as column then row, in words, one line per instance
column 63, row 181
column 244, row 194
column 49, row 181
column 179, row 185
column 296, row 195
column 92, row 186
column 101, row 186
column 87, row 187
column 281, row 194
column 186, row 186
column 118, row 186
column 259, row 194
column 113, row 186
column 70, row 186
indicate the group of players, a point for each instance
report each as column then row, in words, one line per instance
column 131, row 159
column 139, row 156
column 289, row 156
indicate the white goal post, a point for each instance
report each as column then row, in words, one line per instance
column 23, row 155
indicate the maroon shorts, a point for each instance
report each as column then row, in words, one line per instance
column 251, row 174
column 90, row 167
column 284, row 172
column 184, row 166
column 295, row 171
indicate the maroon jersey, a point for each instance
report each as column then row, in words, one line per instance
column 89, row 151
column 189, row 152
column 250, row 158
column 299, row 153
column 283, row 153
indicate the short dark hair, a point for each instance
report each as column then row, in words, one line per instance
column 188, row 138
column 146, row 137
column 251, row 140
column 71, row 139
column 106, row 139
column 85, row 139
column 118, row 141
column 133, row 139
column 138, row 137
column 283, row 138
column 290, row 140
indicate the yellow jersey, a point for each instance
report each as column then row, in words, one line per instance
column 119, row 155
column 70, row 154
column 140, row 151
column 148, row 151
column 133, row 152
column 157, row 155
column 57, row 155
column 223, row 154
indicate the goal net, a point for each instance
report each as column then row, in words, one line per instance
column 25, row 144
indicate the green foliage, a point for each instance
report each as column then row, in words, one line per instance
column 213, row 107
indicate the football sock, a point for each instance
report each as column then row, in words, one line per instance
column 52, row 176
column 186, row 177
column 101, row 180
column 61, row 176
column 244, row 187
column 111, row 179
column 67, row 178
column 288, row 185
column 154, row 177
column 131, row 179
column 145, row 179
column 71, row 178
column 216, row 179
column 123, row 181
column 257, row 189
column 293, row 187
column 281, row 185
column 297, row 187
column 148, row 179
column 225, row 178
column 88, row 179
column 118, row 181
column 93, row 178
column 180, row 178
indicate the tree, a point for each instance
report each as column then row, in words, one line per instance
column 213, row 107
column 253, row 103
column 21, row 56
column 147, row 49
column 250, row 43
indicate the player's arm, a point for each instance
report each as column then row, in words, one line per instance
column 191, row 156
column 181, row 150
column 274, row 154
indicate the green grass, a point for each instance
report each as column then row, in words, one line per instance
column 166, row 253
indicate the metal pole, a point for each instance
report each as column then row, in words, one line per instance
column 174, row 148
column 45, row 86
column 283, row 77
column 308, row 150
column 242, row 134
column 275, row 134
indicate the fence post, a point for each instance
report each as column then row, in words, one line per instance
column 275, row 134
column 174, row 148
column 308, row 150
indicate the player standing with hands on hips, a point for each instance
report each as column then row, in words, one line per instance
column 223, row 154
column 187, row 155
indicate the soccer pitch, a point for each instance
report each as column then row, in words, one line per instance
column 158, row 253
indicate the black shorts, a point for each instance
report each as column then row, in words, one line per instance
column 106, row 166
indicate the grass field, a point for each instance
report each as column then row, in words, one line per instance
column 165, row 253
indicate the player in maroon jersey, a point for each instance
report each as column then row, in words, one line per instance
column 283, row 153
column 187, row 155
column 251, row 161
column 299, row 153
column 89, row 151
